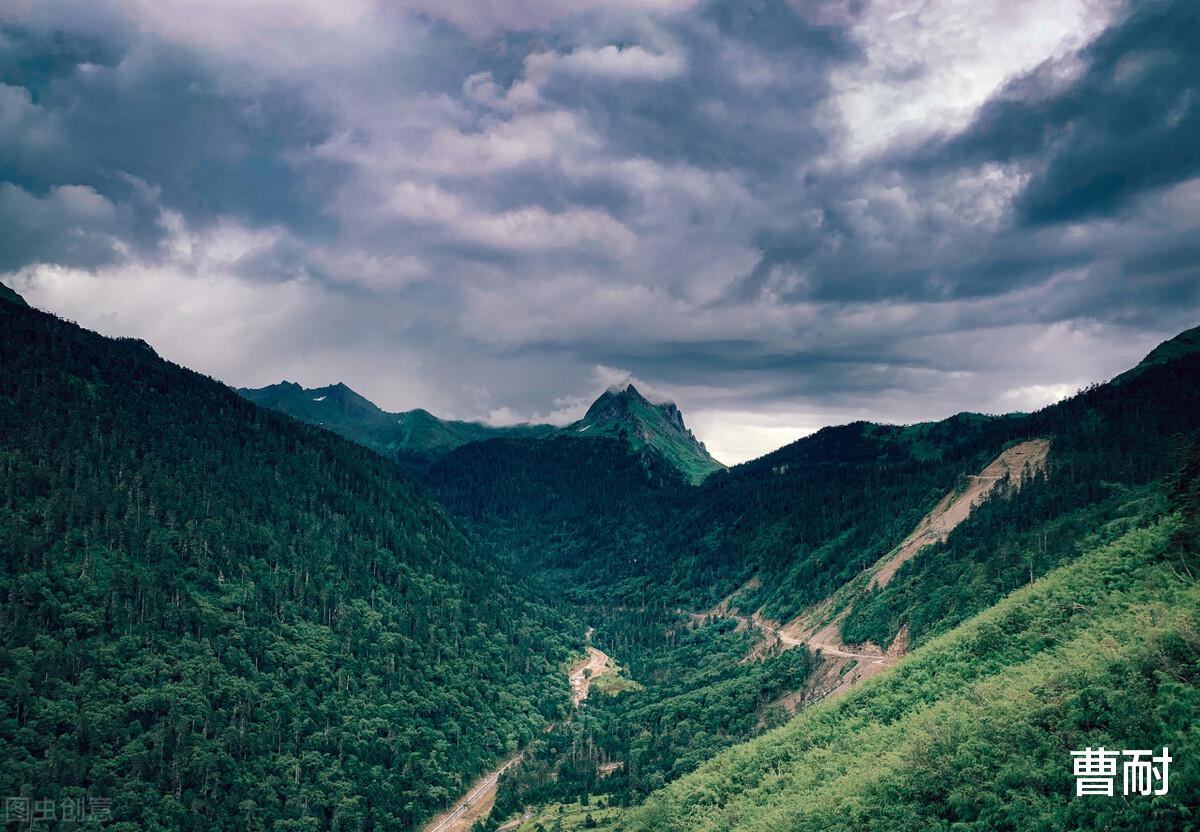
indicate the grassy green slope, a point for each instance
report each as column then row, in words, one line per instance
column 974, row 730
column 218, row 617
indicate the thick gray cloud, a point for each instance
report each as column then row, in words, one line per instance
column 1127, row 123
column 783, row 214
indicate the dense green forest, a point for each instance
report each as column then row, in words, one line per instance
column 217, row 617
column 693, row 696
column 576, row 513
column 618, row 526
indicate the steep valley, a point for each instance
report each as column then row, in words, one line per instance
column 1022, row 499
column 219, row 612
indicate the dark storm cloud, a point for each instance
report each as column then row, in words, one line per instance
column 874, row 209
column 754, row 70
column 33, row 59
column 1092, row 143
column 811, row 372
column 860, row 271
column 79, row 225
column 1127, row 124
column 124, row 118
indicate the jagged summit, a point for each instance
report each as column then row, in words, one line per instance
column 416, row 438
column 625, row 396
column 623, row 411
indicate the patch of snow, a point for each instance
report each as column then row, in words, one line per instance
column 319, row 399
column 585, row 427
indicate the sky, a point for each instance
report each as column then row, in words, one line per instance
column 781, row 214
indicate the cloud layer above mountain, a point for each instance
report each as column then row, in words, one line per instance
column 783, row 214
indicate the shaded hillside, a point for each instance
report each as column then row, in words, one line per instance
column 809, row 518
column 1183, row 344
column 217, row 617
column 1111, row 446
column 571, row 511
column 7, row 294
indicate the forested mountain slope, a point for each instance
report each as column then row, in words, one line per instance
column 806, row 529
column 975, row 729
column 812, row 516
column 575, row 512
column 972, row 731
column 625, row 413
column 217, row 617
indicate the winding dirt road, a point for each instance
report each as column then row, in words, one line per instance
column 820, row 628
column 477, row 803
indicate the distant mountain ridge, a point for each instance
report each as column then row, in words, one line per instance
column 1185, row 343
column 413, row 438
column 417, row 438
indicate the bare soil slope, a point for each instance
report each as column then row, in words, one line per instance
column 819, row 628
column 596, row 664
column 475, row 805
column 1015, row 464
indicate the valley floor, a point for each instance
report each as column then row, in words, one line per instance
column 476, row 805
